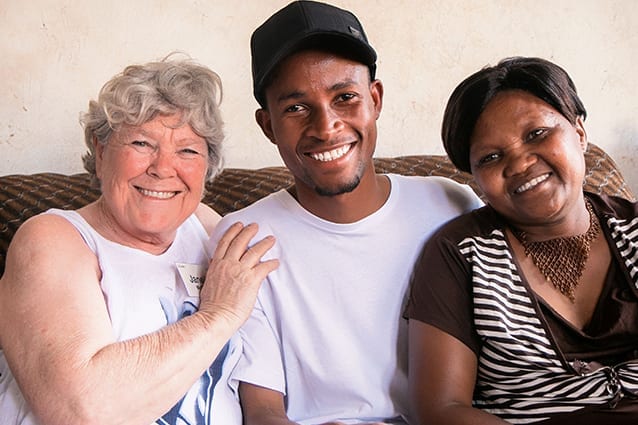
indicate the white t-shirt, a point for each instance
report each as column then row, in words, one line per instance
column 327, row 329
column 143, row 293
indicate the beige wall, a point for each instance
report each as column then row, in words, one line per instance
column 57, row 54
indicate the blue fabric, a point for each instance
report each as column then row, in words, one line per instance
column 206, row 383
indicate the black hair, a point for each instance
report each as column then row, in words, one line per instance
column 539, row 77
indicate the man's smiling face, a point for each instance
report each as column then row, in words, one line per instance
column 322, row 112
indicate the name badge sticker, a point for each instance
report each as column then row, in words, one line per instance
column 193, row 276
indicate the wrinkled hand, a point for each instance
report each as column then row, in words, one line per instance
column 235, row 273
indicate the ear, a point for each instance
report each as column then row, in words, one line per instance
column 262, row 116
column 376, row 91
column 98, row 148
column 580, row 129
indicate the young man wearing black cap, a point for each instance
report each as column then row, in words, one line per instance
column 326, row 341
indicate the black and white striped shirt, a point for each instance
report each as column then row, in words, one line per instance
column 467, row 283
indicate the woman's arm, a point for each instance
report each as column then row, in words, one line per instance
column 441, row 378
column 56, row 334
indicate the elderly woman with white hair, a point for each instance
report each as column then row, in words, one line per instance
column 104, row 316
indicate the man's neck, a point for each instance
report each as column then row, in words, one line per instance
column 349, row 207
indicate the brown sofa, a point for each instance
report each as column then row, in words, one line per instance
column 24, row 195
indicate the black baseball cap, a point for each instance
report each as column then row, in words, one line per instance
column 303, row 25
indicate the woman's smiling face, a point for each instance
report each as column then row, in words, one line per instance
column 152, row 177
column 527, row 158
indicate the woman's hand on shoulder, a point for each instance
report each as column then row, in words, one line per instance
column 235, row 274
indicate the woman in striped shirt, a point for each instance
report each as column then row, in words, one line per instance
column 526, row 310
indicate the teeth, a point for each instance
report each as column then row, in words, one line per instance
column 154, row 194
column 532, row 183
column 331, row 155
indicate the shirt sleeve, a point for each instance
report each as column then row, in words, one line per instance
column 441, row 291
column 260, row 363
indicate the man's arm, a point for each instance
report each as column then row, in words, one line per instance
column 262, row 406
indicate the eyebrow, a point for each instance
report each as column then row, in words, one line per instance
column 289, row 96
column 146, row 134
column 299, row 94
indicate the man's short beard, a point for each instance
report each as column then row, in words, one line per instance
column 340, row 190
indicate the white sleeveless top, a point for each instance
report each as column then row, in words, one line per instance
column 144, row 292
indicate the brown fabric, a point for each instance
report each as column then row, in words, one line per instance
column 611, row 337
column 23, row 196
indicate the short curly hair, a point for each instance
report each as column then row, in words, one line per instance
column 166, row 87
column 539, row 77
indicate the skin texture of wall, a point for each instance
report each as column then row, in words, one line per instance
column 56, row 56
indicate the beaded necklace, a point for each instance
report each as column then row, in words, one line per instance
column 562, row 260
